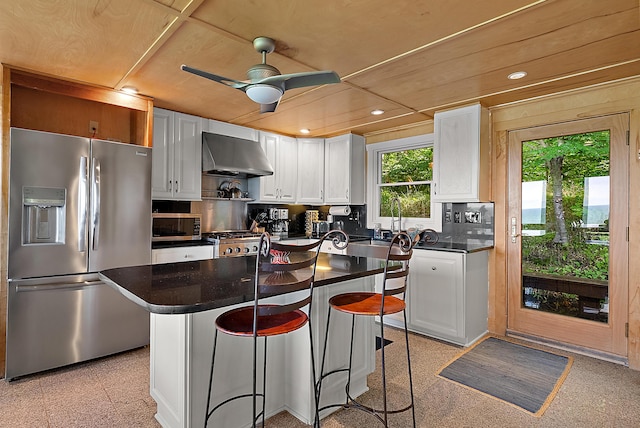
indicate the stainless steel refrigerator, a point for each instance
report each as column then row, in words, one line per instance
column 77, row 206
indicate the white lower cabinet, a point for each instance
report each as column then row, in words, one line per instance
column 448, row 295
column 181, row 254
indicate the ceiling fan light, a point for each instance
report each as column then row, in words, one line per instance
column 264, row 94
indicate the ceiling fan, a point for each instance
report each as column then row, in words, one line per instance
column 265, row 84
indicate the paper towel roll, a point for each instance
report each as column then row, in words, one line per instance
column 340, row 210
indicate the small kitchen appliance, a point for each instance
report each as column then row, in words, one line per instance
column 319, row 228
column 176, row 227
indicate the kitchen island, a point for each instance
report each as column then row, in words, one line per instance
column 185, row 298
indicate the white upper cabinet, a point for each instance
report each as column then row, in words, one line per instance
column 344, row 179
column 283, row 156
column 461, row 155
column 224, row 128
column 310, row 171
column 177, row 156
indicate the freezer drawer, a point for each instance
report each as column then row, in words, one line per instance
column 54, row 322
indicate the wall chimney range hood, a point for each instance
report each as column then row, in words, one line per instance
column 231, row 156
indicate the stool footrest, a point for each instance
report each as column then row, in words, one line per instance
column 228, row 400
column 353, row 403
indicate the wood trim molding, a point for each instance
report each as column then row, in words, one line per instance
column 5, row 114
column 40, row 82
column 78, row 90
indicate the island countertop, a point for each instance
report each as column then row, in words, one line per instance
column 187, row 287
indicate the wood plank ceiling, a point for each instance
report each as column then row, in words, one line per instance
column 409, row 58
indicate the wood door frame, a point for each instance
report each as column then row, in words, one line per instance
column 610, row 337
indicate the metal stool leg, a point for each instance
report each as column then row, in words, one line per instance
column 318, row 386
column 384, row 376
column 316, row 419
column 348, row 385
column 213, row 359
column 406, row 338
column 264, row 382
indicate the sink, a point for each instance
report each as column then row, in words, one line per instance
column 375, row 249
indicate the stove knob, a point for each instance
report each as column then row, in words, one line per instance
column 255, row 248
column 238, row 250
column 228, row 251
column 246, row 250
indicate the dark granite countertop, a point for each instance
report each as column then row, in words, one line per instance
column 187, row 287
column 455, row 247
column 471, row 246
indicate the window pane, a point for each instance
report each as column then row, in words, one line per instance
column 407, row 165
column 565, row 221
column 414, row 199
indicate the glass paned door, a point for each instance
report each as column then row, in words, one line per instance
column 565, row 225
column 567, row 255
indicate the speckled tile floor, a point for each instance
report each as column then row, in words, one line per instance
column 109, row 392
column 114, row 392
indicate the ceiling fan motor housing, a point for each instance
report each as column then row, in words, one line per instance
column 261, row 71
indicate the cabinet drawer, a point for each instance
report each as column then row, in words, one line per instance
column 181, row 254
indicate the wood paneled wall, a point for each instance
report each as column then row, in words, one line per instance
column 614, row 97
column 5, row 106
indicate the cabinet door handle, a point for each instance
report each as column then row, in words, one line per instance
column 170, row 186
column 434, row 268
column 177, row 186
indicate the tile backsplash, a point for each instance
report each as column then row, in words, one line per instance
column 471, row 222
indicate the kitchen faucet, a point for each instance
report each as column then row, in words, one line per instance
column 396, row 201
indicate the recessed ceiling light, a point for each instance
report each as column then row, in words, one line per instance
column 517, row 75
column 377, row 112
column 304, row 131
column 129, row 89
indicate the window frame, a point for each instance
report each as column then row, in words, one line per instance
column 374, row 182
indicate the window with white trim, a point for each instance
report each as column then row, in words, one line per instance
column 402, row 169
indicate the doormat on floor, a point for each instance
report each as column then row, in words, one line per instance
column 379, row 343
column 524, row 377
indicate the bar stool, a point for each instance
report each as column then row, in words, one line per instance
column 376, row 304
column 279, row 269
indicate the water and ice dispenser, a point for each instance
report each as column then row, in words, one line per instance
column 43, row 215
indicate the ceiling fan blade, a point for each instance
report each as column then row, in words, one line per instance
column 269, row 108
column 300, row 80
column 220, row 79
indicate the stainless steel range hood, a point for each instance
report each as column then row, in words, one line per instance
column 224, row 155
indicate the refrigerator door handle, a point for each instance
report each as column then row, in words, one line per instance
column 57, row 287
column 96, row 204
column 82, row 204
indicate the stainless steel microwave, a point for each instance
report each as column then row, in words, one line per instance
column 176, row 227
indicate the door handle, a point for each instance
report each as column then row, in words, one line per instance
column 96, row 204
column 82, row 204
column 514, row 230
